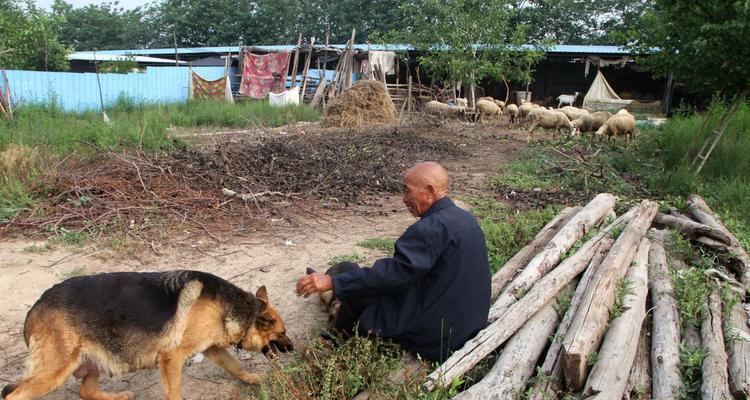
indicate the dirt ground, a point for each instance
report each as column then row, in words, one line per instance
column 275, row 258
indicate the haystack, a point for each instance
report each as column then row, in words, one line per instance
column 365, row 103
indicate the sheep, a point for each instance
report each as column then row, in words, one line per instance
column 486, row 107
column 512, row 111
column 500, row 104
column 567, row 99
column 462, row 102
column 625, row 112
column 437, row 108
column 488, row 98
column 573, row 112
column 523, row 110
column 619, row 125
column 548, row 119
column 589, row 122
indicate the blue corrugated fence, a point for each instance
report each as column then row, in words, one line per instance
column 80, row 91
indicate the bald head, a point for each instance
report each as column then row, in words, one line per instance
column 432, row 174
column 424, row 184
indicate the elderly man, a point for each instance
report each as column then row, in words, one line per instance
column 434, row 293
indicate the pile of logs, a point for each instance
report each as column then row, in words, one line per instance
column 596, row 341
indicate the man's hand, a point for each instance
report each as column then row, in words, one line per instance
column 314, row 283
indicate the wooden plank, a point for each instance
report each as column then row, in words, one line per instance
column 296, row 60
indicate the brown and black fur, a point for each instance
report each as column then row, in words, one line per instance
column 121, row 322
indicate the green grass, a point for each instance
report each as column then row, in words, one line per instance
column 352, row 257
column 78, row 271
column 691, row 361
column 624, row 288
column 506, row 232
column 524, row 173
column 36, row 249
column 322, row 372
column 378, row 244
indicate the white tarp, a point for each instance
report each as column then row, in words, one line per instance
column 290, row 96
column 600, row 91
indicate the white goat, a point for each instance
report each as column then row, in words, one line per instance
column 567, row 99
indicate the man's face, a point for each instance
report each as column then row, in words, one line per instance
column 417, row 196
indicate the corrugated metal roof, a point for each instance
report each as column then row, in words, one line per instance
column 561, row 48
column 86, row 56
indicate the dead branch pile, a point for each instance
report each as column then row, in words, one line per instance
column 365, row 103
column 604, row 346
column 228, row 187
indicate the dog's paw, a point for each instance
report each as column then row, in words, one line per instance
column 251, row 379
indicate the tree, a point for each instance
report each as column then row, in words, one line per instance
column 32, row 34
column 108, row 26
column 580, row 21
column 210, row 22
column 469, row 40
column 702, row 43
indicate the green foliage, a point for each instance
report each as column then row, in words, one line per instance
column 563, row 302
column 323, row 372
column 246, row 114
column 78, row 271
column 691, row 361
column 691, row 290
column 32, row 35
column 108, row 26
column 592, row 358
column 525, row 173
column 378, row 244
column 581, row 22
column 505, row 232
column 702, row 43
column 353, row 257
column 122, row 66
column 67, row 237
column 624, row 288
column 468, row 40
column 34, row 248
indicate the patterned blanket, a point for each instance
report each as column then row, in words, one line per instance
column 258, row 73
column 204, row 89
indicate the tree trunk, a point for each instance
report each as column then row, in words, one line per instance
column 739, row 353
column 587, row 329
column 639, row 383
column 547, row 389
column 609, row 376
column 703, row 214
column 515, row 264
column 665, row 333
column 507, row 324
column 545, row 260
column 516, row 362
column 715, row 377
column 690, row 228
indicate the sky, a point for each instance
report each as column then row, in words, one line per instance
column 82, row 3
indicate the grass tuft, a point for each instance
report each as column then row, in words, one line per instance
column 352, row 257
column 378, row 244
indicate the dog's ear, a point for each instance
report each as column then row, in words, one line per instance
column 261, row 297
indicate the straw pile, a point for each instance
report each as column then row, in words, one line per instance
column 365, row 103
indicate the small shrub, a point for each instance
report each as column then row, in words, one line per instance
column 79, row 271
column 378, row 244
column 353, row 257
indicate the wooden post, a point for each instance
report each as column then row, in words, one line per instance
column 610, row 374
column 665, row 332
column 715, row 376
column 593, row 213
column 296, row 60
column 305, row 71
column 176, row 55
column 588, row 326
column 105, row 117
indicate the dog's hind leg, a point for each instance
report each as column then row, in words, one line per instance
column 170, row 365
column 90, row 390
column 48, row 370
column 223, row 359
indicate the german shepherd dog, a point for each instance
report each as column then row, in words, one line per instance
column 125, row 321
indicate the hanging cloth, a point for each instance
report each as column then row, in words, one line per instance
column 261, row 72
column 201, row 88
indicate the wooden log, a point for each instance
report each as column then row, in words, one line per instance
column 520, row 259
column 507, row 324
column 588, row 326
column 296, row 60
column 546, row 389
column 609, row 375
column 516, row 362
column 690, row 228
column 703, row 214
column 738, row 349
column 549, row 256
column 640, row 382
column 306, row 70
column 715, row 375
column 665, row 331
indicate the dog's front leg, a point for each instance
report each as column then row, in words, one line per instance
column 170, row 365
column 223, row 359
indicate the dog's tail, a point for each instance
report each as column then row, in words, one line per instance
column 9, row 389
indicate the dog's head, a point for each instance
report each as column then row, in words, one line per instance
column 268, row 332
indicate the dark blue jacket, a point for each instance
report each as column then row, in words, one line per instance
column 434, row 293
